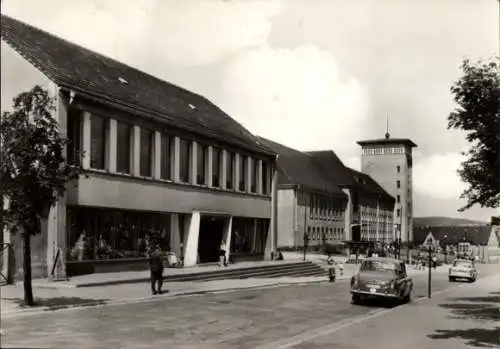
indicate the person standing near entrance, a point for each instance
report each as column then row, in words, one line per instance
column 156, row 267
column 222, row 254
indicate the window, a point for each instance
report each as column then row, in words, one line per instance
column 74, row 129
column 398, row 168
column 398, row 198
column 229, row 170
column 398, row 184
column 265, row 178
column 97, row 142
column 123, row 141
column 254, row 174
column 398, row 212
column 185, row 160
column 243, row 173
column 201, row 160
column 216, row 156
column 146, row 152
column 167, row 156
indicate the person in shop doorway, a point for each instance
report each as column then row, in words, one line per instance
column 222, row 254
column 156, row 267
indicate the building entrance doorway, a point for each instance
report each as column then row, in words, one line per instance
column 210, row 238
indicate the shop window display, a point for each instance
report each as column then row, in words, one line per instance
column 249, row 235
column 98, row 234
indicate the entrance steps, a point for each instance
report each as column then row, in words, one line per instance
column 244, row 270
column 264, row 271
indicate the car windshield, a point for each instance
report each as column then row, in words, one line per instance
column 383, row 266
column 462, row 264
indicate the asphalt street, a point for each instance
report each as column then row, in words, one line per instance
column 298, row 316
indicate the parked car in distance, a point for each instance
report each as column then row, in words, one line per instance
column 381, row 278
column 463, row 269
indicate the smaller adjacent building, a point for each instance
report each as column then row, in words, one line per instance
column 369, row 214
column 321, row 198
column 311, row 207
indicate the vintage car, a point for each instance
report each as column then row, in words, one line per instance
column 382, row 278
column 463, row 269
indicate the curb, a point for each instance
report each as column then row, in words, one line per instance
column 179, row 294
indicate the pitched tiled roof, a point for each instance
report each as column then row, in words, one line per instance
column 452, row 235
column 343, row 176
column 298, row 168
column 83, row 71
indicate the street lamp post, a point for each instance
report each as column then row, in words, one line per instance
column 445, row 249
column 430, row 272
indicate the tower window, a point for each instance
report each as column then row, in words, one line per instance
column 399, row 198
column 398, row 168
column 398, row 184
column 398, row 212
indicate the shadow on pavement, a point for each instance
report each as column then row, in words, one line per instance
column 56, row 303
column 476, row 337
column 477, row 308
column 473, row 311
column 492, row 299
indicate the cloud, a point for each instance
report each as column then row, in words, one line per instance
column 168, row 32
column 298, row 97
column 436, row 176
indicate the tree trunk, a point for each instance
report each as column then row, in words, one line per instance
column 28, row 291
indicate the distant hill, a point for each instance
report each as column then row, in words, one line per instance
column 444, row 221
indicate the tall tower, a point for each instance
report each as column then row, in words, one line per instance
column 389, row 162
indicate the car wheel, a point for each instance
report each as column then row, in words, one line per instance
column 451, row 279
column 356, row 299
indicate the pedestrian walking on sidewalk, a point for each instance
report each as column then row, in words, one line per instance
column 156, row 267
column 331, row 267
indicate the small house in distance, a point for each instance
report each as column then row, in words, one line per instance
column 478, row 240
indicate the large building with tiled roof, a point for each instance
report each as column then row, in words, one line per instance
column 309, row 204
column 389, row 161
column 162, row 162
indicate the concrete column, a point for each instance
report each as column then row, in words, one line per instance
column 260, row 177
column 176, row 168
column 209, row 167
column 191, row 241
column 136, row 151
column 274, row 209
column 224, row 164
column 236, row 172
column 86, row 139
column 248, row 174
column 157, row 155
column 193, row 170
column 377, row 221
column 175, row 234
column 111, row 151
column 228, row 228
column 56, row 223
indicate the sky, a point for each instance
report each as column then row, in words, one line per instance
column 310, row 74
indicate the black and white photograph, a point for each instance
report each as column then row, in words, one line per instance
column 250, row 174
